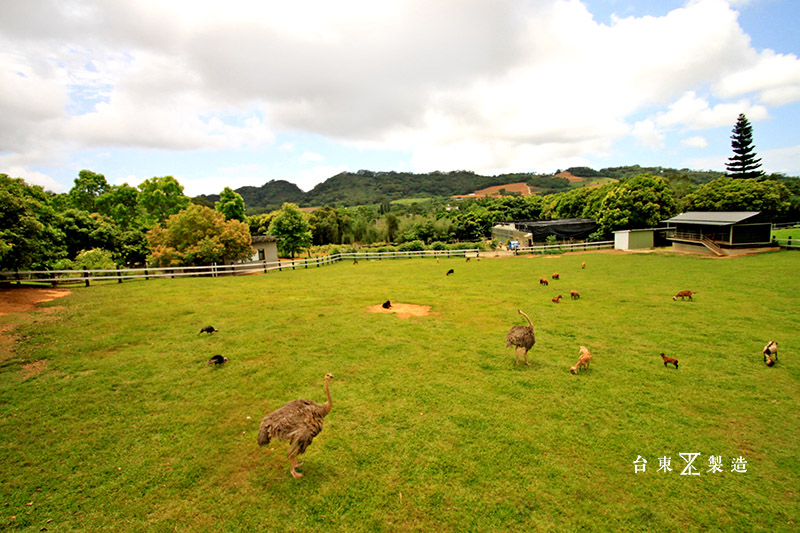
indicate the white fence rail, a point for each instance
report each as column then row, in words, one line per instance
column 789, row 244
column 55, row 277
column 566, row 247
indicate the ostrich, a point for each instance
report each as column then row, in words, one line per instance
column 522, row 338
column 387, row 304
column 208, row 329
column 298, row 421
column 451, row 271
column 217, row 360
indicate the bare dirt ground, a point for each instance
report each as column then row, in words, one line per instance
column 18, row 300
column 26, row 299
column 402, row 310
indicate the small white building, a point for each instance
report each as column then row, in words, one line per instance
column 266, row 247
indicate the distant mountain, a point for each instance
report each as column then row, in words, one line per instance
column 370, row 187
column 269, row 197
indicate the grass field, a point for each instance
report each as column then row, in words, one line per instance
column 120, row 425
column 785, row 233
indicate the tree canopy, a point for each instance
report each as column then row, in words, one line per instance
column 772, row 198
column 640, row 202
column 161, row 197
column 199, row 236
column 231, row 204
column 292, row 229
column 29, row 236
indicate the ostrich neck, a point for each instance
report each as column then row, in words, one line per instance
column 329, row 403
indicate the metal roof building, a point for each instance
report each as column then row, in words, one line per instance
column 721, row 232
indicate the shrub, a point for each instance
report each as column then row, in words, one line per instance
column 413, row 246
column 94, row 259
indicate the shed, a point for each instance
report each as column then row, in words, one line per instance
column 266, row 247
column 721, row 233
column 634, row 239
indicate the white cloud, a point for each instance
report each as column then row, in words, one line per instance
column 647, row 133
column 693, row 112
column 785, row 160
column 697, row 141
column 33, row 177
column 500, row 86
column 312, row 156
column 773, row 78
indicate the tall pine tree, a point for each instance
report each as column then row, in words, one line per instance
column 743, row 164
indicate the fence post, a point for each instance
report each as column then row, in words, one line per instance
column 16, row 275
column 119, row 275
column 146, row 275
column 86, row 278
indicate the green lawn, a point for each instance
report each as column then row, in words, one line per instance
column 433, row 427
column 785, row 233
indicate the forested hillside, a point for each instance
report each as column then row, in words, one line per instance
column 372, row 187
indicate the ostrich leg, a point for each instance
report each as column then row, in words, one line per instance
column 295, row 474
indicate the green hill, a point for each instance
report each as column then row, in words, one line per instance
column 374, row 187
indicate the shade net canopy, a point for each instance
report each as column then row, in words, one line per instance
column 563, row 229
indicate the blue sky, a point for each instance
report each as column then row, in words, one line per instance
column 244, row 92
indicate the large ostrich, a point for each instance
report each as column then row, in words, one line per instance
column 522, row 338
column 298, row 421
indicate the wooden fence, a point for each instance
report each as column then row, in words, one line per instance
column 565, row 247
column 55, row 277
column 788, row 244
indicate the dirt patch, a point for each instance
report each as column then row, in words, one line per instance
column 402, row 310
column 35, row 368
column 26, row 299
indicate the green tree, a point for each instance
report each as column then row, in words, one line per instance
column 772, row 198
column 120, row 203
column 583, row 202
column 743, row 164
column 640, row 202
column 392, row 226
column 231, row 204
column 88, row 187
column 161, row 197
column 325, row 226
column 84, row 231
column 29, row 238
column 259, row 224
column 292, row 229
column 198, row 236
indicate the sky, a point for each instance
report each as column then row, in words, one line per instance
column 243, row 92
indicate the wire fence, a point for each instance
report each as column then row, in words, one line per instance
column 56, row 277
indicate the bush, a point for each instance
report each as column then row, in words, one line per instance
column 94, row 259
column 437, row 245
column 413, row 246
